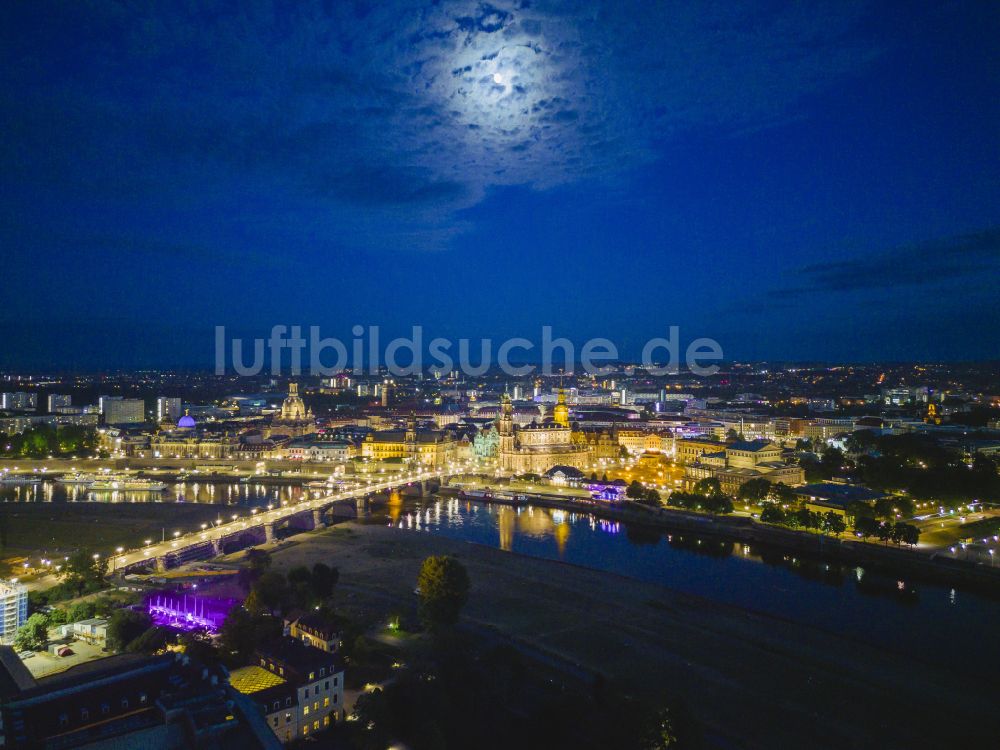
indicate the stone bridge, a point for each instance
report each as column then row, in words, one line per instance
column 261, row 526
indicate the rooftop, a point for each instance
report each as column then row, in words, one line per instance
column 253, row 679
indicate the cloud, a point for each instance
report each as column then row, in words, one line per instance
column 964, row 256
column 386, row 119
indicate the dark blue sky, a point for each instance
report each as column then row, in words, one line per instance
column 796, row 180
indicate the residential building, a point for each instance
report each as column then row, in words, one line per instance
column 19, row 401
column 161, row 702
column 118, row 411
column 13, row 609
column 168, row 409
column 314, row 630
column 298, row 688
column 56, row 401
column 17, row 425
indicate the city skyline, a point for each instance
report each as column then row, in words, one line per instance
column 800, row 184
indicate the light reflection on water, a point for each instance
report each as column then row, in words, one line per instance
column 210, row 493
column 940, row 623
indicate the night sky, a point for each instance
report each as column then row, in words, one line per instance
column 797, row 180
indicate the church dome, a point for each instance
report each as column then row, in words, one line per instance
column 186, row 422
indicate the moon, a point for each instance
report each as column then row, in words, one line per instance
column 497, row 78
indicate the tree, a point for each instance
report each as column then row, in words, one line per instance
column 708, row 486
column 884, row 532
column 258, row 561
column 242, row 632
column 806, row 519
column 124, row 626
column 905, row 533
column 782, row 493
column 151, row 641
column 272, row 591
column 635, row 490
column 299, row 574
column 718, row 504
column 832, row 462
column 866, row 526
column 81, row 611
column 34, row 634
column 890, row 507
column 84, row 569
column 324, row 580
column 833, row 523
column 772, row 514
column 444, row 588
column 754, row 490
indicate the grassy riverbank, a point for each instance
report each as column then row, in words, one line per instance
column 53, row 529
column 752, row 680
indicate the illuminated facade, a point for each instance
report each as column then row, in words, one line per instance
column 13, row 609
column 424, row 447
column 295, row 419
column 536, row 448
column 742, row 461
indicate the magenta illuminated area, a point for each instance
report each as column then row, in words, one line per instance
column 606, row 492
column 188, row 611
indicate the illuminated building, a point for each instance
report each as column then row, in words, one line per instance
column 19, row 401
column 424, row 447
column 13, row 609
column 742, row 461
column 168, row 409
column 58, row 401
column 314, row 630
column 294, row 419
column 168, row 702
column 298, row 688
column 537, row 447
column 123, row 410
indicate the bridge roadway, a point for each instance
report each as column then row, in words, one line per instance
column 267, row 520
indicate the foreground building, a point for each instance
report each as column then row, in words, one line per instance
column 162, row 702
column 299, row 689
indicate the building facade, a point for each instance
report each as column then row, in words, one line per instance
column 536, row 448
column 13, row 609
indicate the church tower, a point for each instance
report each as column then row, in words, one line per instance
column 560, row 414
column 410, row 438
column 505, row 430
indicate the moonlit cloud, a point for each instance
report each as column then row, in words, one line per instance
column 385, row 119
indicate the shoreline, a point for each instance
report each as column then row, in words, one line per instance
column 928, row 567
column 753, row 679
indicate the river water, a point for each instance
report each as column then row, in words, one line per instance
column 934, row 623
column 940, row 624
column 247, row 494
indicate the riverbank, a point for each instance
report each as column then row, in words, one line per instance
column 56, row 529
column 929, row 566
column 753, row 680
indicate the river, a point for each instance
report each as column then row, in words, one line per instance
column 249, row 494
column 928, row 622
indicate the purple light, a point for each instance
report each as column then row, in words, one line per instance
column 610, row 493
column 188, row 611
